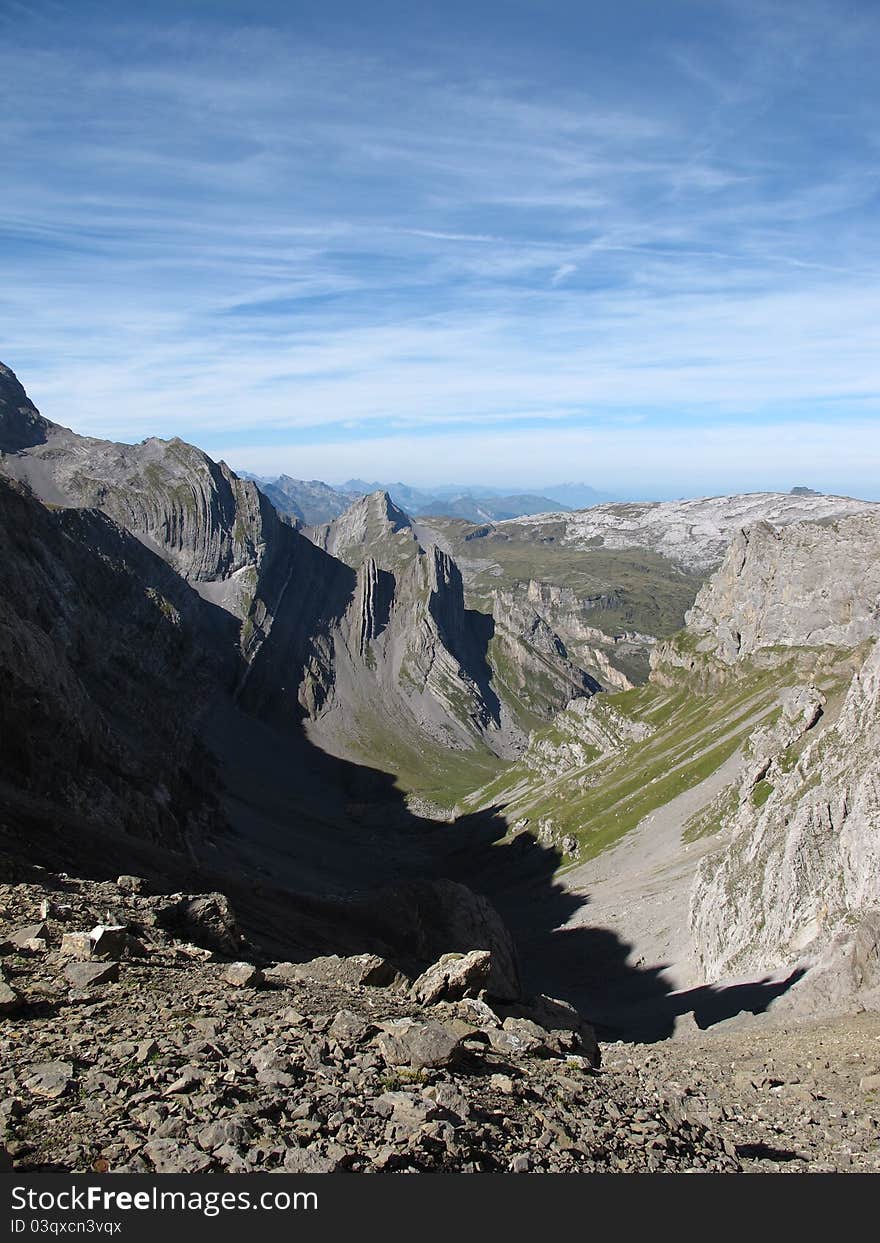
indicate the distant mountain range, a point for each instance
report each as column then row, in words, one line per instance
column 313, row 502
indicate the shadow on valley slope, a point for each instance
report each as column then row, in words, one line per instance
column 590, row 967
column 320, row 855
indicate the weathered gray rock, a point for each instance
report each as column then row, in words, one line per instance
column 130, row 884
column 802, row 869
column 404, row 1107
column 206, row 919
column 431, row 918
column 85, row 975
column 230, row 1131
column 516, row 1038
column 76, row 945
column 33, row 937
column 420, row 1045
column 243, row 975
column 453, row 976
column 563, row 1030
column 808, row 585
column 10, row 1001
column 49, row 1079
column 173, row 1156
column 350, row 1028
column 110, row 941
column 306, row 1161
column 367, row 970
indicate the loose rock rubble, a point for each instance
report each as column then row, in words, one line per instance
column 795, row 1099
column 175, row 1059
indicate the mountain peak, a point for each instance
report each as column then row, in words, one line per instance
column 21, row 424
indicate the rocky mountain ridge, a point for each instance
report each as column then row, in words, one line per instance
column 337, row 632
column 315, row 503
column 694, row 534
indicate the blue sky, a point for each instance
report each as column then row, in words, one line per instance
column 518, row 243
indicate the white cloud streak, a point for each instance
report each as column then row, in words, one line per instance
column 252, row 234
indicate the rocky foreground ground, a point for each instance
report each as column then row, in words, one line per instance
column 157, row 1044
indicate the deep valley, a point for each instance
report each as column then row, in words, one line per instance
column 379, row 840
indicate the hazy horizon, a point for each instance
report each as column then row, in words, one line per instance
column 441, row 486
column 636, row 247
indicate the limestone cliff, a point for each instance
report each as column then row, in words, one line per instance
column 811, row 584
column 798, row 875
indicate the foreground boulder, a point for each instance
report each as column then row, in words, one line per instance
column 359, row 970
column 454, row 976
column 243, row 975
column 206, row 919
column 83, row 975
column 428, row 919
column 419, row 1045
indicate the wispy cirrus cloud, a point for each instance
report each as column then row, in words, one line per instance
column 213, row 227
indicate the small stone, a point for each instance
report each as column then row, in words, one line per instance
column 49, row 1078
column 190, row 1079
column 304, row 1161
column 84, row 975
column 130, row 884
column 170, row 1156
column 513, row 1041
column 406, row 1043
column 29, row 937
column 145, row 1050
column 870, row 1083
column 404, row 1108
column 348, row 1027
column 9, row 998
column 448, row 1097
column 219, row 1134
column 76, row 945
column 521, row 1163
column 113, row 941
column 243, row 975
column 502, row 1083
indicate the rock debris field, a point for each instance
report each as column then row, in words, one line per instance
column 128, row 1046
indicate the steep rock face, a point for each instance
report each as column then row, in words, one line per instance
column 809, row 585
column 409, row 661
column 97, row 636
column 213, row 528
column 21, row 424
column 552, row 620
column 533, row 668
column 800, row 877
column 372, row 526
column 497, row 675
column 217, row 531
column 586, row 730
